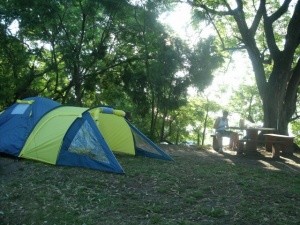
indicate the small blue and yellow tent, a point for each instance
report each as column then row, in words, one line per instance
column 41, row 129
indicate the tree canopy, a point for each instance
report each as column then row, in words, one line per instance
column 269, row 33
column 115, row 52
column 109, row 52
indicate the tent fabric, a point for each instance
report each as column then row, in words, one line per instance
column 122, row 136
column 18, row 120
column 41, row 129
column 45, row 140
column 115, row 131
column 84, row 146
column 145, row 147
column 58, row 140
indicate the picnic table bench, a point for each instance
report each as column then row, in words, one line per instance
column 275, row 143
column 279, row 143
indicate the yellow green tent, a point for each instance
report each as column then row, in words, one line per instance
column 41, row 129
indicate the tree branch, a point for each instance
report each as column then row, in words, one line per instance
column 293, row 32
column 257, row 18
column 270, row 37
column 220, row 13
column 212, row 11
column 296, row 117
column 281, row 10
column 218, row 33
column 240, row 4
column 292, row 90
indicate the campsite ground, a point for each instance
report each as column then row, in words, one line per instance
column 201, row 186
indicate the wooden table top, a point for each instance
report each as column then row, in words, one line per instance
column 279, row 135
column 253, row 128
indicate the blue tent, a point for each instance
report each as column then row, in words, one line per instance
column 17, row 122
column 41, row 129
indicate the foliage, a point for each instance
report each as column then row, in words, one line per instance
column 191, row 122
column 247, row 103
column 90, row 53
column 14, row 73
column 270, row 35
column 204, row 60
column 295, row 127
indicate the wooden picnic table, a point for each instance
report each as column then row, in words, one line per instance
column 248, row 144
column 251, row 139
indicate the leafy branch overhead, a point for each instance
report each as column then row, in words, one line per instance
column 88, row 53
column 269, row 33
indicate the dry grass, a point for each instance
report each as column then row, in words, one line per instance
column 200, row 187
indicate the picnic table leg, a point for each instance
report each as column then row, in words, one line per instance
column 269, row 140
column 215, row 143
column 240, row 148
column 288, row 147
column 276, row 151
column 251, row 146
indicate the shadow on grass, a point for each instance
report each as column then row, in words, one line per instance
column 263, row 159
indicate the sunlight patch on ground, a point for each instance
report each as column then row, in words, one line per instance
column 288, row 162
column 268, row 165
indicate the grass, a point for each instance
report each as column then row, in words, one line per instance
column 200, row 187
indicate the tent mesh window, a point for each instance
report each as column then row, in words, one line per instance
column 86, row 143
column 142, row 144
column 20, row 109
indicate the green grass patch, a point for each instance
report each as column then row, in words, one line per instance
column 198, row 188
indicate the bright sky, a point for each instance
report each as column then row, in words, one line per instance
column 238, row 71
column 180, row 21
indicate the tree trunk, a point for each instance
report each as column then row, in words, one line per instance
column 198, row 137
column 153, row 117
column 162, row 129
column 279, row 98
column 205, row 122
column 77, row 85
column 177, row 136
column 276, row 108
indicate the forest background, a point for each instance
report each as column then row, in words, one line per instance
column 120, row 53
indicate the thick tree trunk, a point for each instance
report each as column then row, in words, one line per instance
column 273, row 108
column 278, row 112
column 279, row 98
